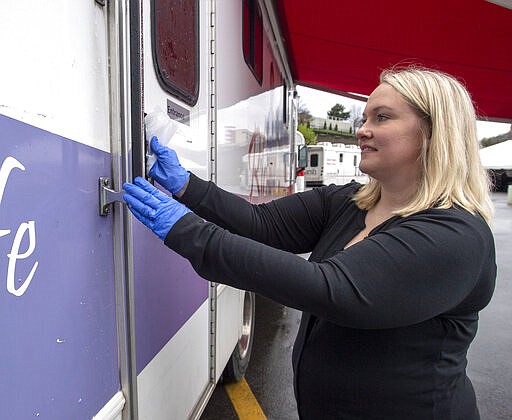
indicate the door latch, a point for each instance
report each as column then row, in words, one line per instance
column 107, row 195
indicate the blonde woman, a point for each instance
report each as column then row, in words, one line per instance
column 399, row 268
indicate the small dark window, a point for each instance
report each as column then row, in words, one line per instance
column 175, row 26
column 341, row 157
column 313, row 160
column 253, row 38
column 303, row 156
column 355, row 160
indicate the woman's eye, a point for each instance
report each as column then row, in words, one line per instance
column 382, row 117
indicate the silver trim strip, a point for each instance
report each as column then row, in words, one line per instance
column 120, row 131
column 212, row 290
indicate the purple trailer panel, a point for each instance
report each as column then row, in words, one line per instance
column 167, row 293
column 58, row 352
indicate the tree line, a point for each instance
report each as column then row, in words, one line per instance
column 338, row 112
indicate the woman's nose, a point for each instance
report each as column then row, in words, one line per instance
column 363, row 131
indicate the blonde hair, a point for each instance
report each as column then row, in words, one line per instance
column 452, row 173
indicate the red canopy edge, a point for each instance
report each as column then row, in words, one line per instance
column 342, row 46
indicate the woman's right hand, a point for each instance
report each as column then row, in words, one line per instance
column 167, row 170
column 152, row 207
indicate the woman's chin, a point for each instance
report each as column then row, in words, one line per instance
column 365, row 169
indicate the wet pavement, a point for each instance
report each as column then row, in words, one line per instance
column 490, row 356
column 270, row 370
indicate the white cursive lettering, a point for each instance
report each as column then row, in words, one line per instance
column 8, row 165
column 15, row 255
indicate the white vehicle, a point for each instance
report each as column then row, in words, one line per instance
column 333, row 164
column 98, row 318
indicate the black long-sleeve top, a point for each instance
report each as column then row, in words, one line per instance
column 386, row 323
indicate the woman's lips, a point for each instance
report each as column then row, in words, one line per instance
column 366, row 148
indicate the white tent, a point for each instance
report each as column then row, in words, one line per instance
column 498, row 156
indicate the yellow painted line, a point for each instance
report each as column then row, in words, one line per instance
column 244, row 402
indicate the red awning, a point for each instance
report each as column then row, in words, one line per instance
column 341, row 46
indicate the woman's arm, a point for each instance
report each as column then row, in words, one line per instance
column 421, row 267
column 293, row 223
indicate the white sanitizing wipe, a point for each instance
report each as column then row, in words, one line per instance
column 167, row 130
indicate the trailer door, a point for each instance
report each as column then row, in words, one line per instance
column 59, row 346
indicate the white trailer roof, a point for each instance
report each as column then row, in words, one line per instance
column 498, row 156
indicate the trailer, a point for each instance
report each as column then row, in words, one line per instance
column 98, row 318
column 333, row 163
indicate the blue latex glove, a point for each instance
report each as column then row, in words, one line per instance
column 167, row 170
column 152, row 207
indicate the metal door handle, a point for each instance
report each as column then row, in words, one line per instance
column 107, row 195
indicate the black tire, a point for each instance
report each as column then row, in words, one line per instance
column 239, row 360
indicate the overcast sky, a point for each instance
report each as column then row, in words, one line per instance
column 319, row 102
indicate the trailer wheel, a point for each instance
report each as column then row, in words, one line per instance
column 239, row 360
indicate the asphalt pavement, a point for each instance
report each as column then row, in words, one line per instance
column 489, row 359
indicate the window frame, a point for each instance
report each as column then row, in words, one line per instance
column 252, row 51
column 189, row 97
